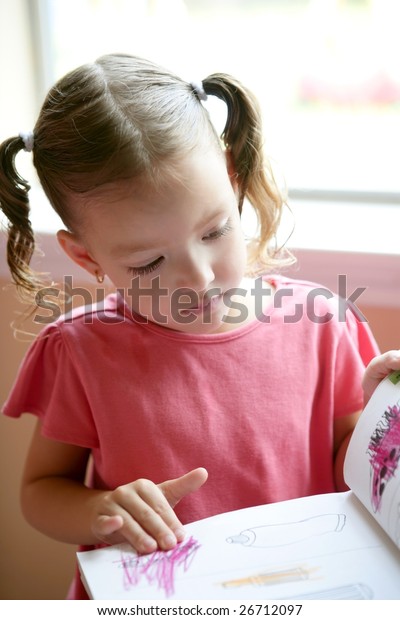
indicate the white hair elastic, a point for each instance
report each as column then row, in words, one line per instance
column 199, row 90
column 28, row 140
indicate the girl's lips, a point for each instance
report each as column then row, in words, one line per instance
column 206, row 304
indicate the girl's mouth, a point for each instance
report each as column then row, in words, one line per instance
column 206, row 305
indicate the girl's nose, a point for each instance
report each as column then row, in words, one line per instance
column 194, row 274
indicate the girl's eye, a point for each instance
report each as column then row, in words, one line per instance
column 216, row 234
column 145, row 269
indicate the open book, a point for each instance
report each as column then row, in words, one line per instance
column 334, row 546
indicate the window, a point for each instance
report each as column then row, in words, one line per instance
column 325, row 72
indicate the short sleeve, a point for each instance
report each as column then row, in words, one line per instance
column 48, row 385
column 356, row 348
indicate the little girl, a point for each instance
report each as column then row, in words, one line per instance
column 192, row 369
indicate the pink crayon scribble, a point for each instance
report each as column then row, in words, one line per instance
column 384, row 452
column 159, row 568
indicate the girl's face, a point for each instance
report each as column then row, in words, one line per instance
column 176, row 250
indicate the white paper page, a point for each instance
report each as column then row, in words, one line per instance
column 321, row 547
column 372, row 464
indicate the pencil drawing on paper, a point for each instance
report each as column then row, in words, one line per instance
column 282, row 534
column 384, row 453
column 160, row 568
column 271, row 578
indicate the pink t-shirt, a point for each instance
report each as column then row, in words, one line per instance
column 254, row 406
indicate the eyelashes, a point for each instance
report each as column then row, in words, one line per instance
column 216, row 234
column 144, row 270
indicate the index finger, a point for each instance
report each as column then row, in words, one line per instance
column 149, row 520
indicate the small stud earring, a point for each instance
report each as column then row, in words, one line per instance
column 99, row 277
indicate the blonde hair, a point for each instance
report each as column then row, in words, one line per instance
column 124, row 117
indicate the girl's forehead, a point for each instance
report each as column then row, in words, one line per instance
column 198, row 187
column 190, row 173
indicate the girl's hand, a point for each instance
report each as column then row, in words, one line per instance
column 377, row 370
column 141, row 512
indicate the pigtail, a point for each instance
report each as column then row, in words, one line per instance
column 14, row 203
column 243, row 137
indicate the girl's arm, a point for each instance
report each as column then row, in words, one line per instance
column 56, row 501
column 342, row 430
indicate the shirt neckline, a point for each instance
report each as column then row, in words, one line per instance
column 171, row 334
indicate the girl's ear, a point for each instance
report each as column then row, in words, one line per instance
column 75, row 249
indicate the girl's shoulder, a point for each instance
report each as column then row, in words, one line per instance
column 330, row 314
column 110, row 310
column 79, row 330
column 110, row 307
column 298, row 286
column 316, row 297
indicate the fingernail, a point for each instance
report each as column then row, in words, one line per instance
column 180, row 533
column 147, row 545
column 169, row 541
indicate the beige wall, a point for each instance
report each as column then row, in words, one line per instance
column 31, row 565
column 384, row 323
